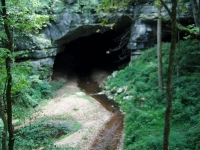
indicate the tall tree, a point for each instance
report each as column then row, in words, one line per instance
column 159, row 46
column 169, row 76
column 19, row 16
column 10, row 47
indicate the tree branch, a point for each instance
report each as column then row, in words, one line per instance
column 166, row 7
column 188, row 31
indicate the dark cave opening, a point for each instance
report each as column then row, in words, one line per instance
column 90, row 52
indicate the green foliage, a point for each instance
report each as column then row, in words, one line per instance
column 55, row 85
column 61, row 148
column 193, row 29
column 109, row 6
column 23, row 17
column 44, row 132
column 1, row 128
column 27, row 91
column 145, row 106
column 30, row 97
column 52, row 7
column 108, row 9
column 19, row 71
column 27, row 88
column 183, row 6
column 82, row 6
column 85, row 3
column 157, row 3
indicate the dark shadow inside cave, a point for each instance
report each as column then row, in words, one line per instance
column 90, row 52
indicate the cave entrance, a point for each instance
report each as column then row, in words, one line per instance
column 79, row 61
column 86, row 53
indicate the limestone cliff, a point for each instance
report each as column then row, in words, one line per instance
column 71, row 20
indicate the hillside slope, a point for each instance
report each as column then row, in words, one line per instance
column 135, row 89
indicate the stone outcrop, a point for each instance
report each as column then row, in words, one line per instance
column 71, row 23
column 143, row 35
column 77, row 20
column 143, row 29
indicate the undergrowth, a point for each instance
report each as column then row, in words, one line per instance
column 144, row 106
column 30, row 97
column 44, row 132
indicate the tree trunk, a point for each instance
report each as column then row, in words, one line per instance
column 9, row 104
column 9, row 77
column 196, row 13
column 169, row 77
column 4, row 132
column 159, row 49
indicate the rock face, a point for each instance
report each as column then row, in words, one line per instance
column 143, row 29
column 143, row 35
column 76, row 20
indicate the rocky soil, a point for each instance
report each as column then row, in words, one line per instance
column 93, row 117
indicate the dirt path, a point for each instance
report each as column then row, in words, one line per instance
column 69, row 100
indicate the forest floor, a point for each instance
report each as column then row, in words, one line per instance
column 91, row 115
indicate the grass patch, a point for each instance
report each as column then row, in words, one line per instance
column 84, row 137
column 83, row 95
column 61, row 148
column 66, row 95
column 91, row 100
column 75, row 109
